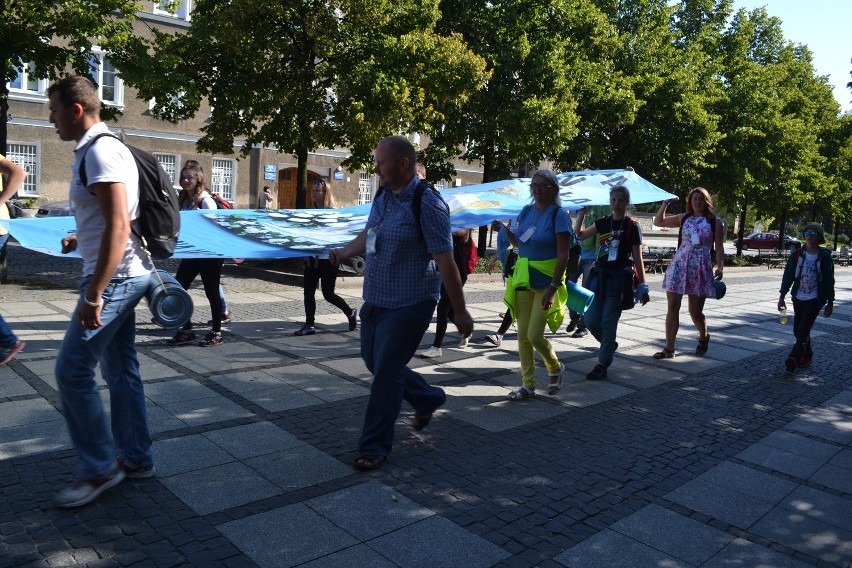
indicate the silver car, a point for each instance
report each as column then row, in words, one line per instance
column 55, row 209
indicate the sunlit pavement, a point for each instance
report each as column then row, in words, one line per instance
column 721, row 460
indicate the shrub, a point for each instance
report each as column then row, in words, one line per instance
column 843, row 239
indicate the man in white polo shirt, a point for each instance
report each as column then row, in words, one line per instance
column 116, row 273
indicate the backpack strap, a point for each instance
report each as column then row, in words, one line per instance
column 82, row 170
column 417, row 201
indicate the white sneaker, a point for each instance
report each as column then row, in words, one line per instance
column 464, row 341
column 431, row 353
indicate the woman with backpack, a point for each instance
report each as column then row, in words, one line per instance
column 615, row 273
column 810, row 272
column 691, row 271
column 321, row 271
column 535, row 293
column 195, row 196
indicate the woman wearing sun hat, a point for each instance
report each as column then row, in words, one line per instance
column 810, row 271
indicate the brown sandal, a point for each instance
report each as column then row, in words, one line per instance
column 666, row 353
column 702, row 346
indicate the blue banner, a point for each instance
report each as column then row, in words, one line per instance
column 246, row 233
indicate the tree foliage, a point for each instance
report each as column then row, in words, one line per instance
column 541, row 56
column 56, row 36
column 301, row 75
column 775, row 114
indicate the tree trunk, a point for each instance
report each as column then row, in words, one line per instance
column 4, row 91
column 301, row 177
column 742, row 229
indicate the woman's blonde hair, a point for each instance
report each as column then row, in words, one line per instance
column 328, row 196
column 191, row 196
column 707, row 199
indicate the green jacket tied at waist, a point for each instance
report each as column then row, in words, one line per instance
column 521, row 280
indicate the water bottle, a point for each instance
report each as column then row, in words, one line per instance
column 782, row 316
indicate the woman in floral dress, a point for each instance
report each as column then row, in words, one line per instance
column 690, row 271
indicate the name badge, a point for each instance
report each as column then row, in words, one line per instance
column 371, row 241
column 696, row 239
column 527, row 234
column 613, row 250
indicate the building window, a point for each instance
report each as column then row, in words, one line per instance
column 222, row 179
column 105, row 75
column 365, row 188
column 27, row 82
column 441, row 185
column 182, row 12
column 169, row 163
column 26, row 156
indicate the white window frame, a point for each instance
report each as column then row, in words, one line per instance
column 366, row 182
column 31, row 162
column 23, row 92
column 170, row 163
column 184, row 11
column 96, row 62
column 223, row 178
column 441, row 185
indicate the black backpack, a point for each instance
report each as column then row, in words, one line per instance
column 159, row 215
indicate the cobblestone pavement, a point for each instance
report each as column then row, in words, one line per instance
column 716, row 461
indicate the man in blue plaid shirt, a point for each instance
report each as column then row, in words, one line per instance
column 407, row 261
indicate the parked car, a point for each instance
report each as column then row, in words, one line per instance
column 768, row 241
column 55, row 209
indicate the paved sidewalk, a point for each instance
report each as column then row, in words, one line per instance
column 716, row 461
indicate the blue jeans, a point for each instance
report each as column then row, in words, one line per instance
column 8, row 339
column 583, row 269
column 114, row 347
column 222, row 299
column 602, row 316
column 389, row 338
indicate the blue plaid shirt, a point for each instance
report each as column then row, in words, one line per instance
column 402, row 271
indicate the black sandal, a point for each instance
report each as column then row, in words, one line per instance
column 702, row 346
column 369, row 463
column 666, row 353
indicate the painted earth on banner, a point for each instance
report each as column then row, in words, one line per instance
column 246, row 233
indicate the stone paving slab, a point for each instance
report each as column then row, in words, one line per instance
column 720, row 460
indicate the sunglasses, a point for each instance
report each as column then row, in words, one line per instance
column 537, row 186
column 811, row 234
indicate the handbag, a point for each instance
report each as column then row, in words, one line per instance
column 169, row 303
column 721, row 288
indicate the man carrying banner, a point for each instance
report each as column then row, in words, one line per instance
column 116, row 273
column 407, row 260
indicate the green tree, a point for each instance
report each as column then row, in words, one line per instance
column 666, row 127
column 775, row 113
column 56, row 36
column 300, row 75
column 541, row 55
